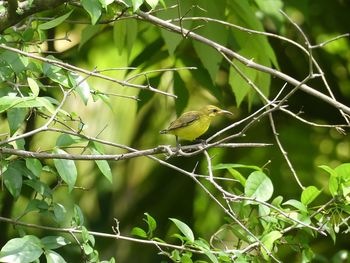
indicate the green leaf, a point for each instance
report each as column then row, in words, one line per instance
column 238, row 84
column 53, row 257
column 258, row 186
column 13, row 180
column 59, row 212
column 15, row 118
column 40, row 187
column 78, row 217
column 181, row 91
column 33, row 85
column 65, row 140
column 136, row 4
column 102, row 165
column 34, row 165
column 119, row 34
column 131, row 34
column 235, row 166
column 81, row 86
column 137, row 231
column 328, row 170
column 210, row 57
column 171, row 39
column 185, row 229
column 66, row 170
column 238, row 176
column 298, row 205
column 55, row 22
column 333, row 185
column 54, row 242
column 268, row 241
column 309, row 194
column 152, row 3
column 343, row 171
column 21, row 250
column 14, row 60
column 94, row 9
column 151, row 222
column 36, row 205
column 89, row 32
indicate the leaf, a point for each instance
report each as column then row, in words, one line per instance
column 93, row 8
column 53, row 257
column 40, row 187
column 21, row 250
column 136, row 4
column 66, row 170
column 343, row 171
column 33, row 86
column 54, row 242
column 181, row 91
column 268, row 241
column 210, row 57
column 65, row 140
column 14, row 60
column 258, row 186
column 78, row 217
column 298, row 205
column 15, row 118
column 151, row 222
column 238, row 84
column 59, row 212
column 185, row 229
column 119, row 34
column 309, row 194
column 152, row 3
column 238, row 176
column 81, row 87
column 102, row 165
column 235, row 165
column 13, row 180
column 55, row 22
column 328, row 170
column 171, row 39
column 34, row 165
column 333, row 185
column 137, row 231
column 87, row 33
column 131, row 34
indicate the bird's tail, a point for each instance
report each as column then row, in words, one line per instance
column 163, row 132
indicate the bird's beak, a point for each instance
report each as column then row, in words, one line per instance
column 225, row 112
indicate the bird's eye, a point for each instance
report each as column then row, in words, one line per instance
column 214, row 110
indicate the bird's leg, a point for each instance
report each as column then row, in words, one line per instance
column 178, row 145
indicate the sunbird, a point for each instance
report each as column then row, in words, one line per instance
column 192, row 124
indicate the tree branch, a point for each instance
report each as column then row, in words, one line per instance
column 249, row 63
column 16, row 12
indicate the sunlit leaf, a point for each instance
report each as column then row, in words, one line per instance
column 20, row 250
column 185, row 229
column 55, row 22
column 309, row 194
column 66, row 170
column 258, row 186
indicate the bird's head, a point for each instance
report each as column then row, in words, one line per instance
column 212, row 111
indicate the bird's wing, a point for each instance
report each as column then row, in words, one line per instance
column 184, row 120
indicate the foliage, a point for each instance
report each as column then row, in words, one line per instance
column 84, row 93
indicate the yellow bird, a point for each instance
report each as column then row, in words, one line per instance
column 192, row 124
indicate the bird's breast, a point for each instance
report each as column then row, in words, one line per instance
column 194, row 129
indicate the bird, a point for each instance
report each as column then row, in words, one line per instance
column 192, row 124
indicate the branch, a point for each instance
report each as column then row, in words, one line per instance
column 84, row 71
column 249, row 63
column 17, row 11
